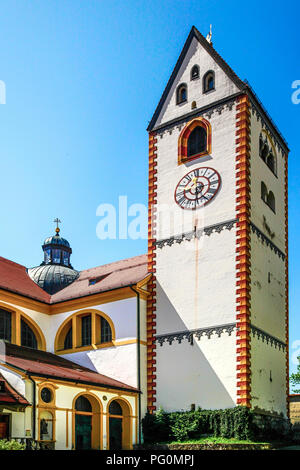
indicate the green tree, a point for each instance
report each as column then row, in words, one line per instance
column 295, row 378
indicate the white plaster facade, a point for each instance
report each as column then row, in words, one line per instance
column 196, row 280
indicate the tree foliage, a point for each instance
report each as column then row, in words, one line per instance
column 295, row 379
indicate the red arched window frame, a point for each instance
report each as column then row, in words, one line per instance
column 184, row 136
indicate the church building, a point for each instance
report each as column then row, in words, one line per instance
column 201, row 320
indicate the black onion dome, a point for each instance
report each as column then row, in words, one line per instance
column 55, row 272
column 53, row 277
column 56, row 240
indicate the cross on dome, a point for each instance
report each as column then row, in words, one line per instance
column 57, row 221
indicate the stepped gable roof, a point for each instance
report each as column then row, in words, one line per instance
column 243, row 85
column 14, row 278
column 48, row 365
column 10, row 396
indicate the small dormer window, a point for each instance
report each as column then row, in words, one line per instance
column 181, row 95
column 195, row 72
column 208, row 81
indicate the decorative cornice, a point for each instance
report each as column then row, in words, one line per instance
column 227, row 225
column 189, row 335
column 206, row 111
column 179, row 336
column 267, row 241
column 261, row 334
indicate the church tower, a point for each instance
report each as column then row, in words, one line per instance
column 217, row 319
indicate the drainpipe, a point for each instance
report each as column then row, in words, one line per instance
column 138, row 320
column 33, row 408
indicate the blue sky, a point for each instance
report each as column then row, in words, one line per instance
column 82, row 81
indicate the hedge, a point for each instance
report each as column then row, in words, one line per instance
column 179, row 426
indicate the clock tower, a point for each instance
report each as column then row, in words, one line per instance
column 217, row 318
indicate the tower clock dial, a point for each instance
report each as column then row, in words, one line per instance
column 197, row 188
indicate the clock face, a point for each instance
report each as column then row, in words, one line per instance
column 197, row 188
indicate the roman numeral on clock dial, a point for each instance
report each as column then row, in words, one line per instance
column 197, row 188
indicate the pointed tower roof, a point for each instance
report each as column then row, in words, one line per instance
column 243, row 86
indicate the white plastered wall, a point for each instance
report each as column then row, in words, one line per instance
column 267, row 280
column 268, row 381
column 223, row 85
column 203, row 374
column 196, row 280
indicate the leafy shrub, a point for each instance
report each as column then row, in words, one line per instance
column 229, row 423
column 11, row 445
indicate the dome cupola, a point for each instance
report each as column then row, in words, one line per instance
column 56, row 249
column 55, row 272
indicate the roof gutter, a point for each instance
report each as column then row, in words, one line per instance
column 138, row 321
column 33, row 407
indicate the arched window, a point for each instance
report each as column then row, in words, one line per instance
column 68, row 343
column 83, row 329
column 115, row 408
column 195, row 72
column 83, row 404
column 5, row 325
column 197, row 141
column 261, row 144
column 106, row 334
column 194, row 140
column 28, row 338
column 18, row 328
column 86, row 330
column 271, row 161
column 265, row 152
column 181, row 94
column 271, row 201
column 264, row 192
column 209, row 81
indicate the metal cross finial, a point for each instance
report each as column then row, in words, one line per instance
column 209, row 36
column 57, row 221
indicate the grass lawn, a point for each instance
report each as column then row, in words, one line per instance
column 215, row 440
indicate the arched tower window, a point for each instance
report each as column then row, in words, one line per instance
column 271, row 201
column 267, row 151
column 181, row 94
column 194, row 140
column 197, row 141
column 271, row 161
column 264, row 192
column 195, row 72
column 209, row 81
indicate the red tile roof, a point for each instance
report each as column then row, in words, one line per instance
column 109, row 276
column 14, row 277
column 46, row 364
column 8, row 395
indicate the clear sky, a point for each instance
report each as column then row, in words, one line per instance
column 83, row 78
